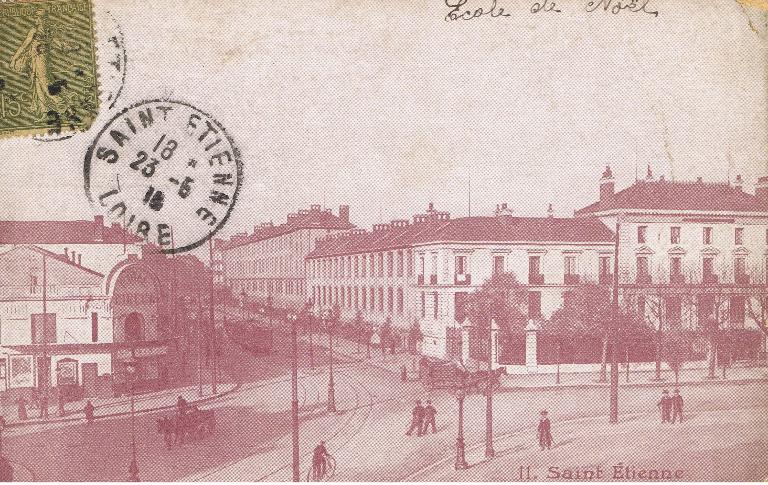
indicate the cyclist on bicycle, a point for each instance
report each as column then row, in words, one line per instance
column 318, row 460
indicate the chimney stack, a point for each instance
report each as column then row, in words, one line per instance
column 606, row 185
column 761, row 190
column 79, row 259
column 344, row 213
column 738, row 184
column 550, row 211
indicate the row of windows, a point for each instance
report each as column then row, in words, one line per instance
column 281, row 264
column 273, row 286
column 740, row 273
column 459, row 304
column 706, row 235
column 670, row 312
column 361, row 297
column 391, row 263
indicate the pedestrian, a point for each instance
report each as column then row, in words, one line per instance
column 22, row 403
column 44, row 406
column 545, row 431
column 429, row 417
column 89, row 412
column 677, row 406
column 318, row 460
column 61, row 402
column 665, row 404
column 417, row 419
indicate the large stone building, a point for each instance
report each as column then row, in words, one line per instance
column 690, row 251
column 268, row 265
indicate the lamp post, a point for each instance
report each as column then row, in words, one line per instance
column 461, row 462
column 133, row 468
column 293, row 318
column 329, row 318
column 489, row 451
column 310, row 322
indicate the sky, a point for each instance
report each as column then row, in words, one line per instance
column 385, row 106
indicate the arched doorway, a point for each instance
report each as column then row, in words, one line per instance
column 134, row 327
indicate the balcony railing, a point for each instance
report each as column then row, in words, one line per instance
column 571, row 279
column 741, row 279
column 535, row 279
column 462, row 279
column 676, row 279
column 643, row 279
column 605, row 278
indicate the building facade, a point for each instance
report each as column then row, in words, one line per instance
column 691, row 253
column 268, row 265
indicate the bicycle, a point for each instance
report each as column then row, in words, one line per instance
column 330, row 470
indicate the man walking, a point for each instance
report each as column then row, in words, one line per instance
column 318, row 461
column 429, row 417
column 677, row 406
column 417, row 419
column 545, row 431
column 665, row 404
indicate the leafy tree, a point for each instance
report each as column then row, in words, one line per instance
column 676, row 349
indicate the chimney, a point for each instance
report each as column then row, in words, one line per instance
column 503, row 210
column 79, row 259
column 699, row 180
column 98, row 228
column 738, row 184
column 649, row 174
column 344, row 213
column 550, row 211
column 431, row 207
column 66, row 253
column 761, row 190
column 606, row 185
column 315, row 207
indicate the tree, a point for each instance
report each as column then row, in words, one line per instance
column 386, row 335
column 676, row 350
column 500, row 299
column 414, row 336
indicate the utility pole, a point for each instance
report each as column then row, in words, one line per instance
column 213, row 319
column 46, row 361
column 614, row 409
column 293, row 318
column 489, row 451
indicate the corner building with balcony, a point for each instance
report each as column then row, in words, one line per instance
column 691, row 253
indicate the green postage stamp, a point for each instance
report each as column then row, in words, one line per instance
column 48, row 80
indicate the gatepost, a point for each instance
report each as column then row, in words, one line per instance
column 531, row 362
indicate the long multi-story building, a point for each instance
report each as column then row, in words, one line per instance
column 268, row 265
column 690, row 252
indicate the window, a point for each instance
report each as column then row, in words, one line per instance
column 570, row 265
column 738, row 236
column 373, row 265
column 373, row 298
column 364, row 302
column 458, row 306
column 605, row 265
column 381, row 299
column 674, row 235
column 409, row 263
column 390, row 264
column 673, row 309
column 534, row 304
column 423, row 305
column 363, row 265
column 343, row 299
column 390, row 300
column 707, row 235
column 39, row 328
column 675, row 266
column 642, row 266
column 461, row 265
column 421, row 264
column 534, row 265
column 736, row 310
column 357, row 266
column 400, row 301
column 381, row 264
column 435, row 304
column 498, row 264
column 434, row 264
column 641, row 234
column 708, row 266
column 357, row 297
column 400, row 263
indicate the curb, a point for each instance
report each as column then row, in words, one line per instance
column 22, row 424
column 634, row 385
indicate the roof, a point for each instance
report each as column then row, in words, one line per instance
column 679, row 196
column 305, row 219
column 49, row 254
column 500, row 229
column 63, row 232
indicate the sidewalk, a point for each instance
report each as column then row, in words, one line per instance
column 644, row 378
column 120, row 406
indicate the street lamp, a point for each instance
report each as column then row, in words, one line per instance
column 489, row 451
column 461, row 460
column 133, row 468
column 329, row 318
column 310, row 322
column 293, row 318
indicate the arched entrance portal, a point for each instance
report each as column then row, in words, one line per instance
column 137, row 308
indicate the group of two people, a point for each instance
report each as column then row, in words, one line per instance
column 422, row 418
column 671, row 407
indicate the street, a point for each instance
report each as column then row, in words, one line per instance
column 721, row 434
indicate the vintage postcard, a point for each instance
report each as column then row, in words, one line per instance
column 384, row 241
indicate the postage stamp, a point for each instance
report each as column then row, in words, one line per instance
column 166, row 171
column 48, row 73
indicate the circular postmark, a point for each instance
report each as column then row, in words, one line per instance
column 166, row 171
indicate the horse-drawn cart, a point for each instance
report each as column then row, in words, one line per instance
column 192, row 425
